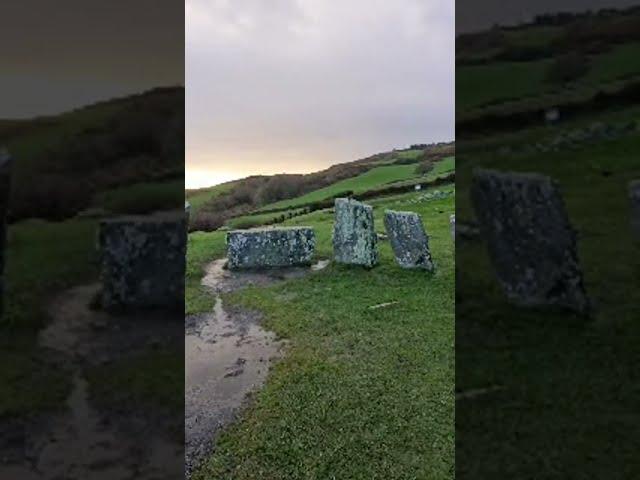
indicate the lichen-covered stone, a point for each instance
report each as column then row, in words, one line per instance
column 354, row 237
column 5, row 183
column 531, row 243
column 634, row 197
column 143, row 261
column 270, row 247
column 408, row 239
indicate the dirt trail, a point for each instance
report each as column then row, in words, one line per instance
column 227, row 357
column 82, row 441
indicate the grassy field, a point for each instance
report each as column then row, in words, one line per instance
column 444, row 166
column 141, row 198
column 361, row 392
column 567, row 393
column 375, row 177
column 502, row 81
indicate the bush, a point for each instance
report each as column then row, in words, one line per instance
column 206, row 221
column 424, row 167
column 568, row 68
column 52, row 196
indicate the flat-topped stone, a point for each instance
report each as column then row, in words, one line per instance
column 634, row 198
column 355, row 241
column 530, row 240
column 5, row 184
column 270, row 247
column 143, row 261
column 408, row 239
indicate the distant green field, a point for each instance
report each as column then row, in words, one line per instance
column 199, row 197
column 141, row 198
column 375, row 177
column 444, row 166
column 484, row 84
column 357, row 385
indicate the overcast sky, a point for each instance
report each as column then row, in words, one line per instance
column 474, row 15
column 298, row 85
column 56, row 56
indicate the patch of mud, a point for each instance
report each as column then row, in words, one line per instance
column 227, row 357
column 221, row 280
column 85, row 442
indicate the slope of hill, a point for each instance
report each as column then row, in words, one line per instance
column 216, row 205
column 62, row 162
column 557, row 61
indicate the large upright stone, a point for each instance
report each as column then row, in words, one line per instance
column 354, row 237
column 143, row 261
column 270, row 247
column 531, row 243
column 5, row 184
column 408, row 239
column 634, row 198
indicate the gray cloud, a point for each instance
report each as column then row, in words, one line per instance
column 304, row 84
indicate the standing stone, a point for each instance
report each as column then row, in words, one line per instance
column 531, row 243
column 452, row 225
column 270, row 247
column 634, row 197
column 143, row 261
column 408, row 239
column 5, row 183
column 354, row 237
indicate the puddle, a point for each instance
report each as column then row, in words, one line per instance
column 82, row 442
column 227, row 356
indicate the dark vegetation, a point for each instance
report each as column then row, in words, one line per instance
column 63, row 162
column 590, row 33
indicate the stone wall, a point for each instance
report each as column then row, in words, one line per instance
column 270, row 247
column 143, row 261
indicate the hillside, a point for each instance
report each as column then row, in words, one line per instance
column 259, row 195
column 507, row 76
column 79, row 155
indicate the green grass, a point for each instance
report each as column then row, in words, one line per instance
column 376, row 177
column 202, row 248
column 148, row 379
column 141, row 198
column 361, row 393
column 569, row 389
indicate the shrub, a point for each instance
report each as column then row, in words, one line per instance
column 568, row 68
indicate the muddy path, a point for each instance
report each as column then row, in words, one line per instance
column 82, row 440
column 227, row 357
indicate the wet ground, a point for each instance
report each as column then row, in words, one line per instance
column 227, row 357
column 82, row 441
